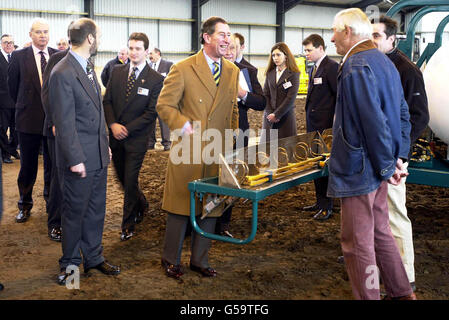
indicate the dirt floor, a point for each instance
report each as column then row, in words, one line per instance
column 292, row 256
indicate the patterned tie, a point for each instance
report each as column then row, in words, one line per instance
column 90, row 75
column 130, row 84
column 9, row 57
column 216, row 73
column 314, row 71
column 43, row 61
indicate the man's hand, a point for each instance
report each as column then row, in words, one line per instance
column 399, row 173
column 53, row 129
column 118, row 131
column 242, row 93
column 272, row 118
column 80, row 169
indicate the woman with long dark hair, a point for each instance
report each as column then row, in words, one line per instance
column 280, row 90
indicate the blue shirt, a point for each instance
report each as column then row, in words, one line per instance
column 211, row 64
column 81, row 60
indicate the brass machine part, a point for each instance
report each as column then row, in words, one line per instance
column 282, row 157
column 328, row 141
column 301, row 147
column 262, row 161
column 320, row 147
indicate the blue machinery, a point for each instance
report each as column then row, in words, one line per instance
column 433, row 173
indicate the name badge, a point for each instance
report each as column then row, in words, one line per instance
column 143, row 91
column 317, row 81
column 287, row 85
column 164, row 74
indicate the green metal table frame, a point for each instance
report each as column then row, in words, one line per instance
column 431, row 173
column 210, row 185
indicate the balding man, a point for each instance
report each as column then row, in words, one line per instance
column 371, row 133
column 122, row 58
column 62, row 44
column 25, row 81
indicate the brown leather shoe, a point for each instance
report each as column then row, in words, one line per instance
column 206, row 272
column 171, row 270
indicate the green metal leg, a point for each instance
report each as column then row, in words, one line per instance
column 218, row 237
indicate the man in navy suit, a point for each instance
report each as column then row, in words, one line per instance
column 320, row 108
column 25, row 73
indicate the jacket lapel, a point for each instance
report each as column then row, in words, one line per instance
column 203, row 72
column 85, row 82
column 224, row 84
column 283, row 77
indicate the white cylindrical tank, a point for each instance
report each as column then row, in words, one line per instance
column 436, row 78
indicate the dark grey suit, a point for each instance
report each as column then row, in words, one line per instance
column 80, row 138
column 7, row 112
column 163, row 69
column 136, row 114
column 320, row 108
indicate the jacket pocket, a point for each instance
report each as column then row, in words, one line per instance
column 345, row 159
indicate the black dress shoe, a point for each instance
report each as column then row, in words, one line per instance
column 126, row 234
column 1, row 287
column 55, row 234
column 313, row 207
column 106, row 268
column 206, row 272
column 23, row 216
column 323, row 214
column 62, row 277
column 15, row 154
column 171, row 270
column 7, row 160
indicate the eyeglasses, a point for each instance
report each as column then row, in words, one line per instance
column 308, row 50
column 8, row 42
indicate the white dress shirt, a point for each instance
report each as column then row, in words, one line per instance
column 37, row 57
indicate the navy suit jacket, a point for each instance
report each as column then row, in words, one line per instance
column 321, row 96
column 25, row 90
column 5, row 98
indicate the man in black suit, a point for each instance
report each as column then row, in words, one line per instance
column 163, row 67
column 130, row 107
column 25, row 81
column 253, row 99
column 122, row 58
column 54, row 204
column 320, row 108
column 7, row 110
column 82, row 155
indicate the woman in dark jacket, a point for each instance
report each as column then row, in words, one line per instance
column 280, row 90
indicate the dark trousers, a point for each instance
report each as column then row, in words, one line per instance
column 367, row 244
column 8, row 121
column 83, row 212
column 127, row 165
column 175, row 232
column 165, row 133
column 54, row 204
column 29, row 154
column 322, row 200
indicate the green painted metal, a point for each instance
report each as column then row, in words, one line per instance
column 411, row 3
column 433, row 47
column 431, row 173
column 406, row 46
column 210, row 185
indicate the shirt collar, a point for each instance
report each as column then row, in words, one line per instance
column 139, row 67
column 81, row 60
column 209, row 60
column 37, row 50
column 239, row 59
column 317, row 64
column 347, row 53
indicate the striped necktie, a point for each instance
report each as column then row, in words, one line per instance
column 216, row 73
column 130, row 84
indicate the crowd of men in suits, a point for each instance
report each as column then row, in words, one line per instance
column 55, row 99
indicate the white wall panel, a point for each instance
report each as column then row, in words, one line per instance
column 293, row 39
column 175, row 36
column 18, row 25
column 149, row 27
column 58, row 26
column 114, row 33
column 247, row 11
column 181, row 9
column 51, row 5
column 310, row 16
column 244, row 31
column 262, row 39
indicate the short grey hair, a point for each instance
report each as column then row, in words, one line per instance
column 38, row 20
column 356, row 19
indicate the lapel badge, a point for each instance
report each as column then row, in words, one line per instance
column 143, row 80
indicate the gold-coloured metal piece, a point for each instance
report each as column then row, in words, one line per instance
column 319, row 147
column 282, row 157
column 262, row 161
column 301, row 152
column 328, row 141
column 240, row 170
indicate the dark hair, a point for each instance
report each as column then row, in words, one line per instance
column 240, row 37
column 157, row 50
column 80, row 29
column 315, row 39
column 209, row 26
column 6, row 35
column 140, row 36
column 391, row 26
column 290, row 59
